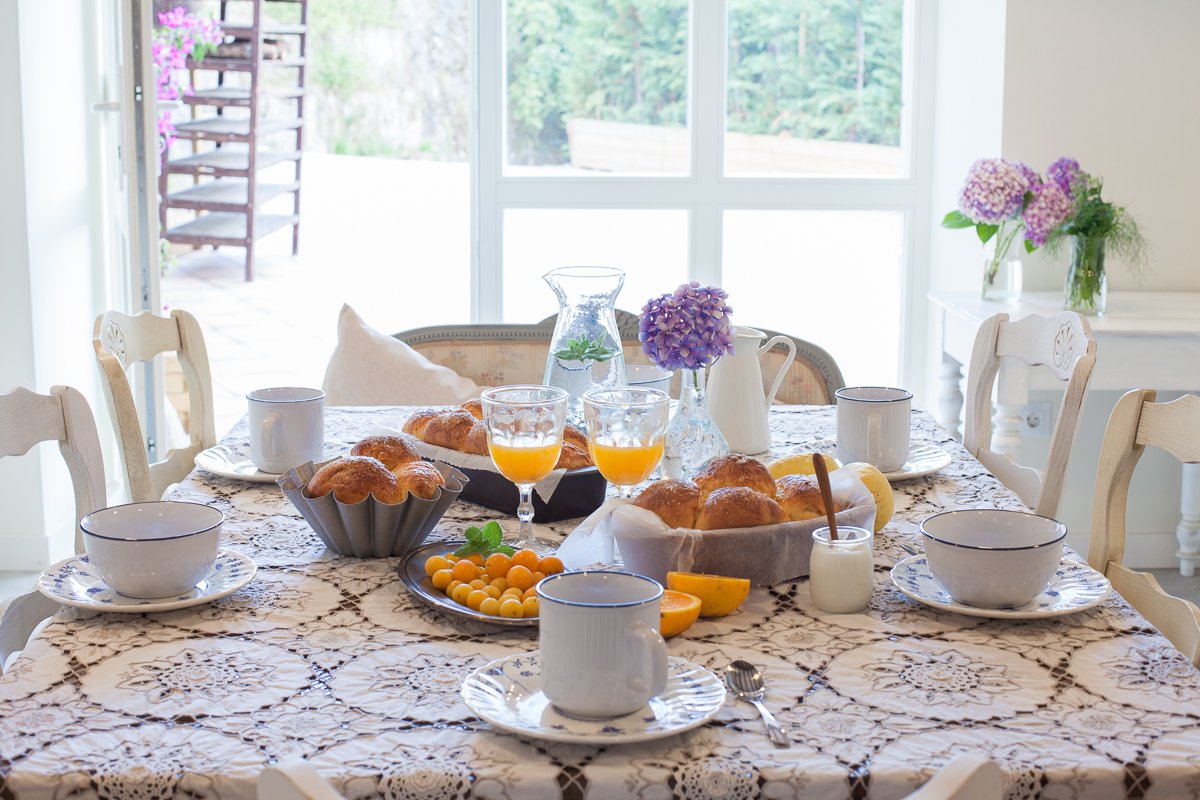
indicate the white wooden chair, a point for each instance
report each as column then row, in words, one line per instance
column 121, row 340
column 294, row 780
column 1065, row 344
column 968, row 776
column 25, row 420
column 1136, row 423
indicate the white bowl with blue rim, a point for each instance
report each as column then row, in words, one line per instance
column 156, row 549
column 648, row 376
column 992, row 558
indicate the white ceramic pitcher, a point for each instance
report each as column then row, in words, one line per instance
column 735, row 390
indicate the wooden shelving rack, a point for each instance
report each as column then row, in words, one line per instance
column 227, row 192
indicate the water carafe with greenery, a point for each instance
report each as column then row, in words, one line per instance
column 585, row 350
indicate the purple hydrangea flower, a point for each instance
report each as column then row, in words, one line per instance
column 994, row 190
column 1027, row 171
column 1066, row 174
column 688, row 328
column 1048, row 210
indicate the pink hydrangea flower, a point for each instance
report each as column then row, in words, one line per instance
column 1048, row 210
column 995, row 190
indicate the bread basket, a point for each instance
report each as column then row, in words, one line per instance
column 371, row 528
column 766, row 554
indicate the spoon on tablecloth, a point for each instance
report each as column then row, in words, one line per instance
column 746, row 682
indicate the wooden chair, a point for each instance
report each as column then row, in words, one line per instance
column 26, row 419
column 968, row 776
column 1065, row 344
column 492, row 355
column 294, row 780
column 120, row 341
column 1136, row 423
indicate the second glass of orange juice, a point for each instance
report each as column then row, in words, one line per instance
column 626, row 427
column 525, row 433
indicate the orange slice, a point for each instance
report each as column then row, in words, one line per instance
column 719, row 595
column 679, row 611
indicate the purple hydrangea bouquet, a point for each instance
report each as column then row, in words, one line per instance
column 1094, row 225
column 688, row 329
column 178, row 37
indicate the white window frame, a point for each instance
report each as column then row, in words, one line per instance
column 706, row 193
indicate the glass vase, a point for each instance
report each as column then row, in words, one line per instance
column 585, row 348
column 1086, row 289
column 692, row 437
column 1002, row 280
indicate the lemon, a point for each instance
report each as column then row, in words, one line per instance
column 878, row 486
column 679, row 610
column 798, row 464
column 719, row 595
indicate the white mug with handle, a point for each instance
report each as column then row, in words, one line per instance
column 873, row 425
column 287, row 427
column 602, row 653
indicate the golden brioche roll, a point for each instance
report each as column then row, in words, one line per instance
column 391, row 450
column 353, row 478
column 738, row 507
column 573, row 434
column 476, row 441
column 800, row 497
column 733, row 470
column 417, row 423
column 475, row 407
column 676, row 502
column 573, row 457
column 420, row 478
column 450, row 429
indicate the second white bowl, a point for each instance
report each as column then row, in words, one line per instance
column 992, row 558
column 156, row 549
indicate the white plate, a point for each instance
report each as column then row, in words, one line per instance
column 508, row 694
column 923, row 459
column 1074, row 588
column 230, row 462
column 72, row 583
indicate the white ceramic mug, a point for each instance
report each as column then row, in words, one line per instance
column 873, row 425
column 287, row 427
column 602, row 654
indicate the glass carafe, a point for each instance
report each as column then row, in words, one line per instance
column 585, row 350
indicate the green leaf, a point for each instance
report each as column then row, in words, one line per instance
column 466, row 550
column 1030, row 246
column 985, row 231
column 474, row 535
column 492, row 533
column 956, row 219
column 507, row 549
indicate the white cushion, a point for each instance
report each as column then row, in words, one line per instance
column 370, row 368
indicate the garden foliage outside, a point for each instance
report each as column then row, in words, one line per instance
column 391, row 77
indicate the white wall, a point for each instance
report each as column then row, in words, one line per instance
column 54, row 249
column 1117, row 86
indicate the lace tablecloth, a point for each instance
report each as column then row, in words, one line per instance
column 328, row 658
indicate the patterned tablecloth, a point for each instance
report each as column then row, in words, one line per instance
column 328, row 658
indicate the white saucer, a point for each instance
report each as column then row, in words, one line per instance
column 1075, row 587
column 507, row 693
column 923, row 459
column 72, row 583
column 230, row 462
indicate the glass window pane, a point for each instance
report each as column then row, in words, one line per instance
column 650, row 245
column 814, row 88
column 596, row 86
column 830, row 277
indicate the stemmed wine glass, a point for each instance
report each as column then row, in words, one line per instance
column 525, row 434
column 626, row 427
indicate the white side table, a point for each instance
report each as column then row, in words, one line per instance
column 1145, row 340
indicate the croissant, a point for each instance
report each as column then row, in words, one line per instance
column 735, row 470
column 353, row 478
column 391, row 450
column 461, row 429
column 450, row 429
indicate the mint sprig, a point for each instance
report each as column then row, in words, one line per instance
column 584, row 348
column 485, row 541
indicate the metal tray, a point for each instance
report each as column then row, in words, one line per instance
column 420, row 585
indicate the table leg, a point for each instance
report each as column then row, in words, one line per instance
column 950, row 398
column 1188, row 531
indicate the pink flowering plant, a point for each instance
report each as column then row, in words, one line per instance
column 688, row 328
column 178, row 37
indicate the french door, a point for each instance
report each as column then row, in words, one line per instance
column 774, row 148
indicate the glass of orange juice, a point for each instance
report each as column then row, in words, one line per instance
column 626, row 427
column 525, row 433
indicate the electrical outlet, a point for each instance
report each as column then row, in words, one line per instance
column 1035, row 419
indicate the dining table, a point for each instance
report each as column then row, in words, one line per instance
column 330, row 659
